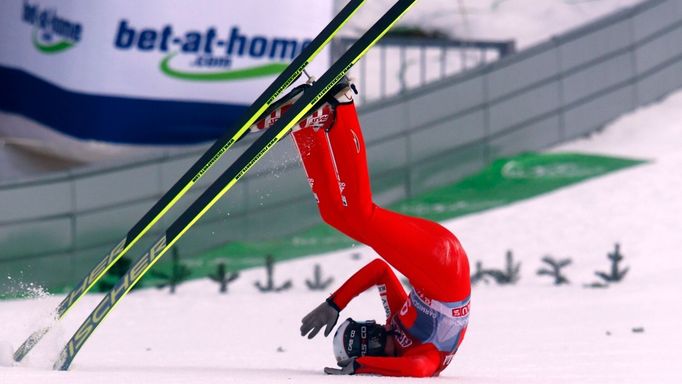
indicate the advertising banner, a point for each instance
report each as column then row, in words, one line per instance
column 153, row 71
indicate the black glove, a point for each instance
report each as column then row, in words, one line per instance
column 326, row 313
column 347, row 368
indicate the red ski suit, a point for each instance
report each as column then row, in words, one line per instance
column 430, row 323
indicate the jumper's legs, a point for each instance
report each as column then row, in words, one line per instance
column 336, row 165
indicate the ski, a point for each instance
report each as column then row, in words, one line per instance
column 310, row 98
column 197, row 170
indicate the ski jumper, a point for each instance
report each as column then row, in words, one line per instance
column 430, row 322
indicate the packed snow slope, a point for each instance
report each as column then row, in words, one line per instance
column 531, row 332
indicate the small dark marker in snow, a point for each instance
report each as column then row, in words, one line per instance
column 608, row 333
column 280, row 349
column 638, row 330
column 148, row 349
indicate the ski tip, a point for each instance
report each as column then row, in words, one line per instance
column 21, row 352
column 16, row 357
column 29, row 343
column 62, row 364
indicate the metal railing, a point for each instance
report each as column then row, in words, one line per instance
column 414, row 61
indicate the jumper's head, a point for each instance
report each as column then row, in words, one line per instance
column 360, row 338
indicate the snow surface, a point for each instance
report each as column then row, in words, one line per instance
column 532, row 332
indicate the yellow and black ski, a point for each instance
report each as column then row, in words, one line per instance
column 200, row 167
